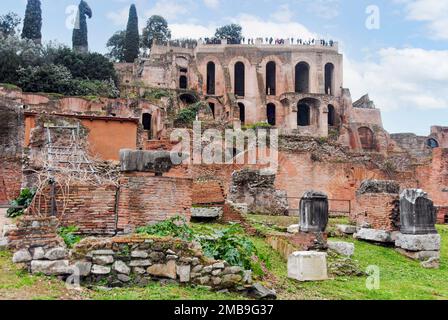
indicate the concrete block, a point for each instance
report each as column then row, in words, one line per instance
column 307, row 266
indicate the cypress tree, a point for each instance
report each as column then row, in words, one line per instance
column 32, row 24
column 132, row 40
column 80, row 36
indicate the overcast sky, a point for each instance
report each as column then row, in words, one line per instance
column 395, row 50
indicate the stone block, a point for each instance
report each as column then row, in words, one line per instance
column 167, row 270
column 418, row 242
column 431, row 263
column 38, row 253
column 51, row 268
column 83, row 268
column 22, row 256
column 207, row 212
column 103, row 260
column 419, row 255
column 346, row 229
column 56, row 254
column 139, row 254
column 102, row 253
column 121, row 267
column 374, row 235
column 140, row 263
column 294, row 228
column 342, row 248
column 307, row 266
column 184, row 273
column 100, row 270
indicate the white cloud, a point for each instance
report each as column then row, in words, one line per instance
column 213, row 4
column 283, row 13
column 169, row 9
column 191, row 31
column 120, row 17
column 434, row 12
column 402, row 78
column 327, row 9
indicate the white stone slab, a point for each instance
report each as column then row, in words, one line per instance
column 308, row 266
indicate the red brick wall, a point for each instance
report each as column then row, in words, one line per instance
column 10, row 179
column 146, row 199
column 376, row 209
column 91, row 208
column 442, row 215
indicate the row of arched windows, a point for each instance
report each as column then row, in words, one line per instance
column 302, row 78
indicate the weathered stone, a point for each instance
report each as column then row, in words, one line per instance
column 431, row 263
column 419, row 255
column 218, row 265
column 195, row 275
column 258, row 291
column 374, row 235
column 121, row 267
column 346, row 229
column 233, row 270
column 216, row 281
column 39, row 253
column 167, row 270
column 216, row 272
column 207, row 269
column 342, row 248
column 102, row 253
column 100, row 270
column 7, row 228
column 140, row 263
column 206, row 212
column 157, row 162
column 229, row 280
column 169, row 251
column 247, row 276
column 379, row 186
column 139, row 270
column 56, row 254
column 195, row 261
column 185, row 260
column 103, row 260
column 421, row 242
column 3, row 243
column 417, row 213
column 197, row 269
column 295, row 228
column 139, row 254
column 184, row 273
column 82, row 268
column 51, row 268
column 123, row 278
column 172, row 257
column 307, row 266
column 22, row 256
column 203, row 280
column 156, row 256
column 314, row 212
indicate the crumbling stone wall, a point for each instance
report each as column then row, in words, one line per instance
column 377, row 205
column 257, row 190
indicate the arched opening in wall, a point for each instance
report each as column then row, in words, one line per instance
column 183, row 82
column 242, row 112
column 303, row 115
column 146, row 122
column 331, row 115
column 302, row 78
column 211, row 78
column 271, row 78
column 212, row 108
column 329, row 76
column 188, row 99
column 432, row 143
column 271, row 114
column 240, row 79
column 367, row 138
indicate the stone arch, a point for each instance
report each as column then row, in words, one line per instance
column 240, row 79
column 329, row 78
column 271, row 114
column 302, row 77
column 271, row 78
column 211, row 77
column 188, row 98
column 367, row 138
column 303, row 114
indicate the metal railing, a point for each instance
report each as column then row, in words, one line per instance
column 337, row 207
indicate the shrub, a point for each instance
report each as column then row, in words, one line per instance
column 258, row 125
column 175, row 227
column 23, row 200
column 70, row 236
column 46, row 78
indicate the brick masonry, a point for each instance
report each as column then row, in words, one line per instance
column 377, row 209
column 10, row 179
column 148, row 199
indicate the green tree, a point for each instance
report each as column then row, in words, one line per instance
column 32, row 24
column 8, row 24
column 132, row 40
column 156, row 30
column 80, row 34
column 232, row 32
column 115, row 44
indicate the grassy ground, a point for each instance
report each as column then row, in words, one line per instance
column 400, row 278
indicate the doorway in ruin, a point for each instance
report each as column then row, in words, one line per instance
column 188, row 99
column 240, row 79
column 303, row 115
column 329, row 76
column 212, row 108
column 183, row 82
column 211, row 78
column 242, row 112
column 367, row 139
column 331, row 115
column 302, row 77
column 271, row 78
column 147, row 122
column 271, row 114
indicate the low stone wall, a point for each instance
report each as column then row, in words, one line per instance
column 135, row 260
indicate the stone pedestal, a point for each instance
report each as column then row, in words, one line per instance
column 307, row 266
column 313, row 212
column 417, row 213
column 421, row 242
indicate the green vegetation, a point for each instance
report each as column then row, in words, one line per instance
column 232, row 32
column 156, row 30
column 32, row 24
column 23, row 200
column 132, row 39
column 176, row 227
column 70, row 236
column 187, row 116
column 255, row 126
column 8, row 24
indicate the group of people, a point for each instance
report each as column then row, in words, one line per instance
column 271, row 41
